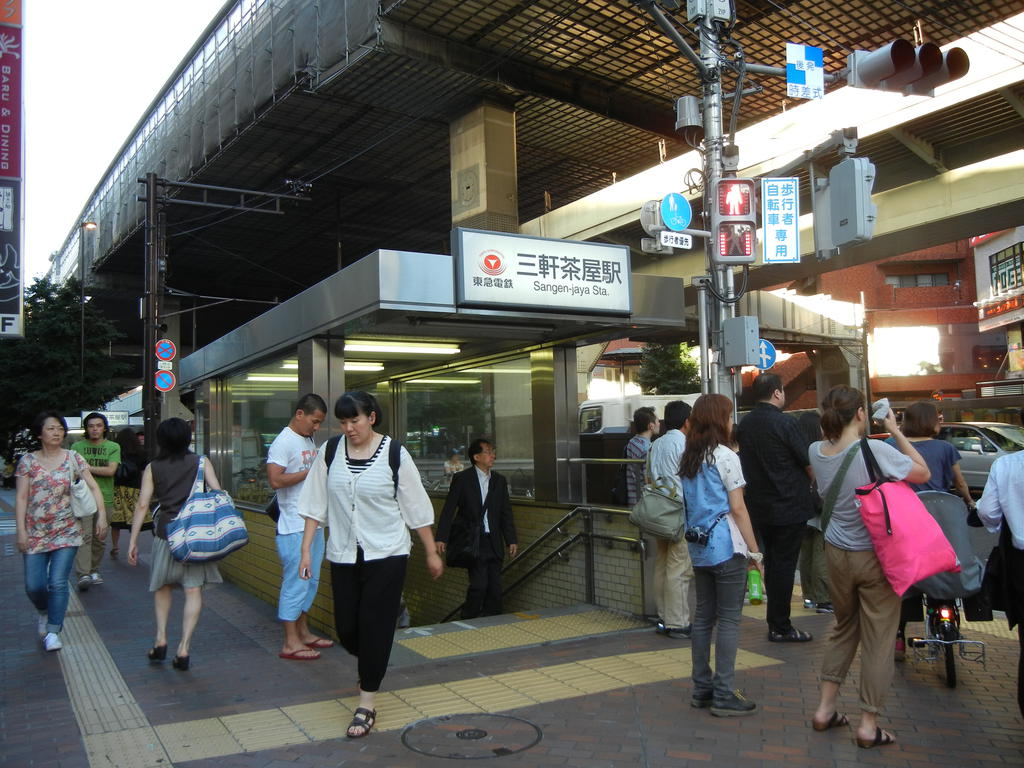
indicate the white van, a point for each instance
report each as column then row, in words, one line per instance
column 613, row 415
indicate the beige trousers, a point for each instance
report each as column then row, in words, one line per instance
column 673, row 575
column 867, row 614
column 90, row 553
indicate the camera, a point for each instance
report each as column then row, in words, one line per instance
column 697, row 535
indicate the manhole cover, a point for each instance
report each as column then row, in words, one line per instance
column 471, row 737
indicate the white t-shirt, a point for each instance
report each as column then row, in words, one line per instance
column 294, row 453
column 731, row 471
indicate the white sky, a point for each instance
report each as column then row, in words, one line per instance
column 91, row 69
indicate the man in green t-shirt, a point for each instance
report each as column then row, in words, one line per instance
column 102, row 456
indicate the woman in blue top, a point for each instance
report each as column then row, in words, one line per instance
column 721, row 541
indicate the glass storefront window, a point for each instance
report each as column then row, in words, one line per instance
column 445, row 412
column 262, row 403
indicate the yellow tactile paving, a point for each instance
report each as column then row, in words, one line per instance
column 434, row 700
column 997, row 628
column 136, row 747
column 489, row 694
column 631, row 673
column 197, row 739
column 263, row 730
column 537, row 686
column 528, row 631
column 320, row 720
column 582, row 678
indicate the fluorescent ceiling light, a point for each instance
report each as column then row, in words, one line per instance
column 495, row 369
column 290, row 365
column 279, row 377
column 443, row 381
column 401, row 348
column 355, row 365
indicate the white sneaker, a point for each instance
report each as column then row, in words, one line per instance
column 52, row 642
column 95, row 578
column 42, row 624
column 84, row 582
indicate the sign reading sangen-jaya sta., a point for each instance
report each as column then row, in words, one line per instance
column 535, row 273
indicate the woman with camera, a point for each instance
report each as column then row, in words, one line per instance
column 722, row 547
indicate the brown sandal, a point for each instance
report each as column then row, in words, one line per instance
column 363, row 718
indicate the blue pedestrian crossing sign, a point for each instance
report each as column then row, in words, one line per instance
column 766, row 354
column 676, row 212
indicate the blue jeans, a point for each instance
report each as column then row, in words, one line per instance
column 297, row 594
column 720, row 589
column 46, row 584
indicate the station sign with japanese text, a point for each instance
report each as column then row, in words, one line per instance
column 497, row 269
column 780, row 220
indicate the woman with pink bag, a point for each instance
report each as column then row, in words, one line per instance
column 867, row 609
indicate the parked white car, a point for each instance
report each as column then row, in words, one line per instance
column 980, row 443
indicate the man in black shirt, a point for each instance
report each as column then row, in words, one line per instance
column 778, row 496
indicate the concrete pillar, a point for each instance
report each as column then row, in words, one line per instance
column 322, row 371
column 483, row 169
column 835, row 365
column 555, row 432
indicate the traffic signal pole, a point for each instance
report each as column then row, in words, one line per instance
column 719, row 378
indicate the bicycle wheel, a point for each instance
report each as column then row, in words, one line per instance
column 948, row 632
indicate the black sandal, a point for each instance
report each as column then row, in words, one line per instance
column 157, row 652
column 793, row 636
column 882, row 739
column 836, row 721
column 366, row 721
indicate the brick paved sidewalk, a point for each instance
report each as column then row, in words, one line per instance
column 635, row 713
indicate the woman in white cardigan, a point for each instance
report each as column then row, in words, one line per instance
column 368, row 549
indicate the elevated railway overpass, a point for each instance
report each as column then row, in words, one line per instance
column 549, row 118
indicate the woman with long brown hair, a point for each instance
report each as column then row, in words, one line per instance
column 867, row 609
column 721, row 542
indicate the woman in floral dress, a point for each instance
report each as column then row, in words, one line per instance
column 49, row 534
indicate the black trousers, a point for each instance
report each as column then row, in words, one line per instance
column 781, row 545
column 367, row 596
column 483, row 597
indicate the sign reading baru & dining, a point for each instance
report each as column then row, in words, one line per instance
column 537, row 273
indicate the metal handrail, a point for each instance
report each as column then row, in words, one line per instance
column 588, row 536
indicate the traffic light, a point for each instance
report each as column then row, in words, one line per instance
column 734, row 222
column 851, row 212
column 899, row 66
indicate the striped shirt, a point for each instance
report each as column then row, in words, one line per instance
column 357, row 466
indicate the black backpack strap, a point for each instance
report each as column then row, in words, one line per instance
column 394, row 460
column 330, row 449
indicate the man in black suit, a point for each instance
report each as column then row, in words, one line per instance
column 478, row 498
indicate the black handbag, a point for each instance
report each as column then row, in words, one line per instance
column 463, row 543
column 273, row 509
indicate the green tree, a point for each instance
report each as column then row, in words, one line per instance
column 42, row 370
column 668, row 369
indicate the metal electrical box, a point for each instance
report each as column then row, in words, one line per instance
column 739, row 341
column 715, row 10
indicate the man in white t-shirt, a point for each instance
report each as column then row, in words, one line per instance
column 288, row 462
column 673, row 571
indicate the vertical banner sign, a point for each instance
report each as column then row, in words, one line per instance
column 780, row 220
column 11, row 165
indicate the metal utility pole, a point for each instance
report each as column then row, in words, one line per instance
column 153, row 273
column 156, row 200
